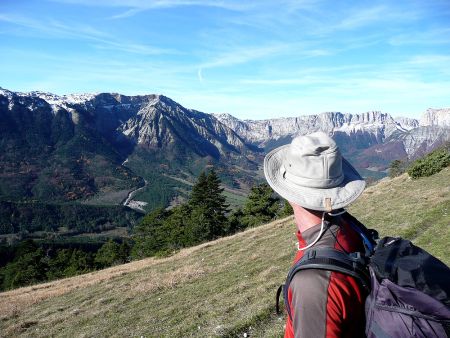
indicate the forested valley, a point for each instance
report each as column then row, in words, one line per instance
column 203, row 217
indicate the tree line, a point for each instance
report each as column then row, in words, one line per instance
column 29, row 217
column 32, row 262
column 204, row 217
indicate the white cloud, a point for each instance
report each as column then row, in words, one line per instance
column 56, row 29
column 242, row 55
column 430, row 59
column 149, row 4
column 137, row 6
column 128, row 13
column 427, row 37
column 358, row 18
column 238, row 56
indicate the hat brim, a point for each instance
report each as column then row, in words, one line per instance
column 312, row 198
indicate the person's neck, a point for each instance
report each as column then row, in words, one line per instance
column 305, row 219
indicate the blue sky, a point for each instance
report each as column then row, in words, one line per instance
column 252, row 59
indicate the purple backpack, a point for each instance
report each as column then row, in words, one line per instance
column 408, row 289
column 410, row 292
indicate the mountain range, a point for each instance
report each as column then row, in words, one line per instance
column 100, row 148
column 366, row 130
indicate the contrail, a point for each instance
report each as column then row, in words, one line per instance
column 199, row 74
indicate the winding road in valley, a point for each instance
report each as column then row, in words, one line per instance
column 137, row 205
column 133, row 193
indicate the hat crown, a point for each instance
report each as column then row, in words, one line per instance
column 314, row 161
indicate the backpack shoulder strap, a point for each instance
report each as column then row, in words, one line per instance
column 369, row 236
column 326, row 258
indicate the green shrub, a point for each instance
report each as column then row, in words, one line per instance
column 431, row 164
column 111, row 253
column 397, row 168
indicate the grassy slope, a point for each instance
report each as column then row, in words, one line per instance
column 415, row 209
column 222, row 288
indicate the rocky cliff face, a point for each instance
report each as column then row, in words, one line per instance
column 380, row 125
column 436, row 117
column 162, row 122
column 424, row 139
column 353, row 131
column 406, row 123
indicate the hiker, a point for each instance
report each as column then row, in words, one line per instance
column 311, row 174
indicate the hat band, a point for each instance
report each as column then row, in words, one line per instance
column 322, row 183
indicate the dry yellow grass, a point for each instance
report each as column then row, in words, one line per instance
column 11, row 302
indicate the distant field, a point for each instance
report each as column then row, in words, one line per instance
column 233, row 199
column 220, row 289
column 118, row 232
column 377, row 175
column 108, row 198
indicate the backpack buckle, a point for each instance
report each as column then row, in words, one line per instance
column 310, row 254
column 358, row 258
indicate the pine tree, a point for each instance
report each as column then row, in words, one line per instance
column 148, row 237
column 217, row 207
column 109, row 254
column 201, row 219
column 286, row 209
column 26, row 269
column 176, row 229
column 80, row 262
column 199, row 191
column 261, row 206
column 208, row 208
column 235, row 221
column 59, row 263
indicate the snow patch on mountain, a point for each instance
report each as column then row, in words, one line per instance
column 61, row 100
column 6, row 93
column 406, row 123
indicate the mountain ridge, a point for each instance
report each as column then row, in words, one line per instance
column 258, row 131
column 107, row 142
column 364, row 138
column 149, row 136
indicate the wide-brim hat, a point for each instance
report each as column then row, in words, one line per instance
column 311, row 172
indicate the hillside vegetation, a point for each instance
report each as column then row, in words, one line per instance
column 223, row 288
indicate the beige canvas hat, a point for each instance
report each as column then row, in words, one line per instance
column 312, row 173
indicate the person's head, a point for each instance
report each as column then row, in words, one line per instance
column 312, row 175
column 311, row 172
